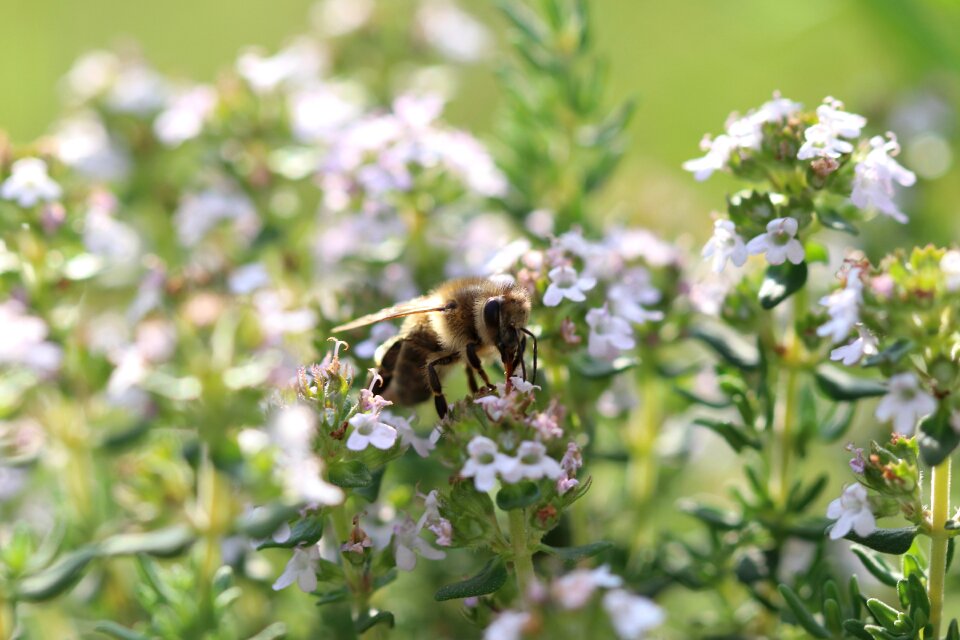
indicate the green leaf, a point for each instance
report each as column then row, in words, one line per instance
column 729, row 345
column 735, row 435
column 261, row 523
column 275, row 631
column 372, row 490
column 695, row 398
column 488, row 580
column 518, row 496
column 937, row 438
column 304, row 531
column 781, row 282
column 953, row 631
column 164, row 543
column 884, row 613
column 832, row 615
column 893, row 541
column 804, row 617
column 856, row 629
column 598, row 369
column 815, row 252
column 114, row 630
column 367, row 622
column 890, row 355
column 834, row 426
column 877, row 567
column 712, row 517
column 349, row 474
column 574, row 554
column 833, row 220
column 837, row 384
column 122, row 439
column 801, row 498
column 56, row 578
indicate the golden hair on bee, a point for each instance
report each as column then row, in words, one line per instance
column 463, row 320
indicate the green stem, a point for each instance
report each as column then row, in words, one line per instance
column 7, row 617
column 787, row 397
column 939, row 537
column 522, row 557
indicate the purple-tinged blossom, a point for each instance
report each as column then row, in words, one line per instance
column 857, row 463
column 823, row 139
column 574, row 590
column 864, row 345
column 875, row 176
column 185, row 116
column 779, row 243
column 851, row 512
column 632, row 616
column 843, row 307
column 495, row 406
column 609, row 336
column 725, row 244
column 565, row 283
column 29, row 183
column 905, row 403
column 408, row 545
column 508, row 625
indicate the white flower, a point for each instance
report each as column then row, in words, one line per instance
column 485, row 463
column 875, row 175
column 824, row 138
column 495, row 406
column 185, row 116
column 718, row 154
column 453, row 32
column 531, row 462
column 522, row 386
column 574, row 589
column 609, row 335
column 508, row 625
column 409, row 437
column 408, row 544
column 725, row 244
column 248, row 278
column 83, row 143
column 843, row 307
column 198, row 213
column 632, row 616
column 950, row 266
column 851, row 511
column 319, row 113
column 369, row 429
column 631, row 292
column 564, row 283
column 107, row 237
column 864, row 345
column 297, row 64
column 302, row 569
column 779, row 243
column 22, row 340
column 741, row 133
column 29, row 183
column 302, row 479
column 905, row 403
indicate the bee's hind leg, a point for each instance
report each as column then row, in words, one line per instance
column 472, row 380
column 434, row 380
column 473, row 361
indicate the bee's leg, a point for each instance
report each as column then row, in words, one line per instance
column 434, row 380
column 472, row 380
column 474, row 361
column 387, row 365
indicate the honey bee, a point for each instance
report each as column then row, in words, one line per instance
column 462, row 320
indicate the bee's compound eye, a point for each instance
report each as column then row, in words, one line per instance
column 491, row 313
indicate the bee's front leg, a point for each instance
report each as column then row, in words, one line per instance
column 474, row 361
column 434, row 380
column 472, row 380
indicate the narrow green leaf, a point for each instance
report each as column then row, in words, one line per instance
column 832, row 615
column 518, row 496
column 884, row 613
column 729, row 345
column 735, row 435
column 262, row 522
column 275, row 631
column 833, row 220
column 575, row 554
column 349, row 474
column 857, row 629
column 877, row 567
column 118, row 631
column 164, row 543
column 953, row 631
column 833, row 428
column 781, row 282
column 837, row 384
column 304, row 531
column 804, row 617
column 488, row 580
column 365, row 623
column 598, row 369
column 802, row 498
column 937, row 438
column 57, row 578
column 712, row 517
column 890, row 355
column 894, row 541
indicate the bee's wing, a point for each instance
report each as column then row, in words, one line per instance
column 425, row 304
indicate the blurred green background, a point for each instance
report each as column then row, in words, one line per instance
column 689, row 63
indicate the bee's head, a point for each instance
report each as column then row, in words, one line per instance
column 505, row 318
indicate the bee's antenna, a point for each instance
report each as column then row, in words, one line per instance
column 530, row 333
